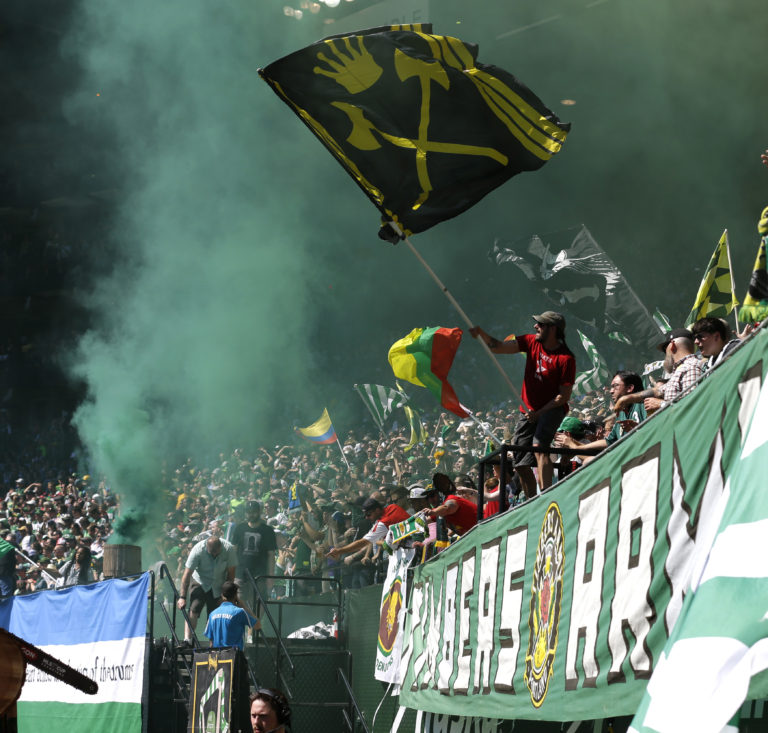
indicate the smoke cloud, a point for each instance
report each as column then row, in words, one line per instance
column 202, row 332
column 247, row 289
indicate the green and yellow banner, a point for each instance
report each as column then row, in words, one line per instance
column 560, row 609
column 716, row 296
column 755, row 306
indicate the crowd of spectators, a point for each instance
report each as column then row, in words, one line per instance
column 313, row 496
column 57, row 530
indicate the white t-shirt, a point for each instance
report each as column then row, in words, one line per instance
column 377, row 532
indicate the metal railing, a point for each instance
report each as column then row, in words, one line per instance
column 160, row 573
column 500, row 458
column 353, row 702
column 290, row 665
column 281, row 653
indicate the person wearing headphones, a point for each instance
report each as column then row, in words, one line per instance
column 270, row 712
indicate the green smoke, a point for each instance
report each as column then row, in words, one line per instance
column 201, row 334
column 248, row 289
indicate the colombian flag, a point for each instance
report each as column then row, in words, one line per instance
column 321, row 431
column 424, row 357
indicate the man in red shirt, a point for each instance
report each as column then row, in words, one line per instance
column 382, row 517
column 460, row 514
column 550, row 371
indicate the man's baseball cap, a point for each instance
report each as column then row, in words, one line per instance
column 572, row 425
column 464, row 482
column 417, row 491
column 252, row 507
column 551, row 318
column 369, row 505
column 675, row 333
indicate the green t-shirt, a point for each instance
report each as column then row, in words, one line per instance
column 302, row 559
column 636, row 413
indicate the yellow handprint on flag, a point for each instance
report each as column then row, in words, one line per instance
column 356, row 71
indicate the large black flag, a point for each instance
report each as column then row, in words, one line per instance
column 423, row 129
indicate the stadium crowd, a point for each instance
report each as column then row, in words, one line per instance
column 313, row 497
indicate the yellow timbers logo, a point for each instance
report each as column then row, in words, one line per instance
column 546, row 597
column 390, row 614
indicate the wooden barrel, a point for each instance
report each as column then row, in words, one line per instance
column 12, row 672
column 121, row 560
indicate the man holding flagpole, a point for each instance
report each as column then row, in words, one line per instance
column 550, row 373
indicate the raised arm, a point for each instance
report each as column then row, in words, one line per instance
column 497, row 347
column 337, row 552
column 635, row 398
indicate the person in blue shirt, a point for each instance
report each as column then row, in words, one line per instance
column 227, row 623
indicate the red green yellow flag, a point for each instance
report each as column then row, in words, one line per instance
column 424, row 357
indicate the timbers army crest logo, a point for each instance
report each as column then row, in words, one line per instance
column 546, row 598
column 389, row 626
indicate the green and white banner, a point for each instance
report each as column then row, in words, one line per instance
column 390, row 641
column 720, row 641
column 560, row 609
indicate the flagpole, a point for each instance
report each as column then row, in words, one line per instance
column 434, row 438
column 488, row 433
column 733, row 284
column 39, row 567
column 341, row 450
column 458, row 308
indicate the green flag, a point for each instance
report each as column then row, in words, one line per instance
column 576, row 275
column 447, row 429
column 719, row 644
column 595, row 378
column 6, row 547
column 716, row 297
column 661, row 321
column 418, row 431
column 423, row 128
column 380, row 401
